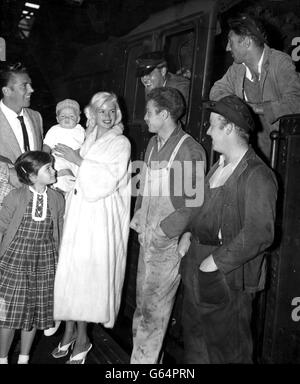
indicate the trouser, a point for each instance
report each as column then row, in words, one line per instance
column 157, row 283
column 216, row 321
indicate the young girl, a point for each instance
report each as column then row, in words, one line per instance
column 30, row 226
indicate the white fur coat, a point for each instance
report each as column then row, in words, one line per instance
column 92, row 259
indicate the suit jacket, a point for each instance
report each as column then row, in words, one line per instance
column 9, row 146
column 10, row 149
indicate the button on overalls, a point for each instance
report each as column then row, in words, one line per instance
column 157, row 277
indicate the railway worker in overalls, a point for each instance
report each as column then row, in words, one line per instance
column 171, row 188
column 225, row 264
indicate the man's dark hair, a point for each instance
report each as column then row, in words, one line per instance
column 8, row 70
column 29, row 163
column 169, row 99
column 245, row 25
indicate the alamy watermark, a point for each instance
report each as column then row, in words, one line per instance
column 296, row 311
column 296, row 51
column 183, row 179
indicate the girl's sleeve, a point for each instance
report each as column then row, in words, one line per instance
column 7, row 210
column 100, row 178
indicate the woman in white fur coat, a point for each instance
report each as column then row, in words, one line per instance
column 91, row 266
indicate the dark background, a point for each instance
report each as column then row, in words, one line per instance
column 50, row 41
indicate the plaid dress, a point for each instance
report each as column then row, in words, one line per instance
column 27, row 271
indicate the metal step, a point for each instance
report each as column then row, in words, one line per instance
column 105, row 349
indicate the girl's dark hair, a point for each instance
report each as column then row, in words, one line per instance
column 30, row 163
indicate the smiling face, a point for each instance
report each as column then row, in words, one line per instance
column 236, row 45
column 67, row 118
column 153, row 117
column 106, row 115
column 154, row 79
column 17, row 93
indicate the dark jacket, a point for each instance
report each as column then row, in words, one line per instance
column 13, row 210
column 181, row 83
column 247, row 223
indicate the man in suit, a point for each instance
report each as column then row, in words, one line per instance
column 21, row 128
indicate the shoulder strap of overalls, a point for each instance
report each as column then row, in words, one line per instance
column 150, row 154
column 174, row 153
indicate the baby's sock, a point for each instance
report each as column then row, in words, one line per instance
column 3, row 360
column 23, row 359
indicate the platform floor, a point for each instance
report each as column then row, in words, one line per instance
column 105, row 349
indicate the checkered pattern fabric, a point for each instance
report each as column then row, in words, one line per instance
column 27, row 271
column 5, row 188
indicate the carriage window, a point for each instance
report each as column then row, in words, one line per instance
column 179, row 48
column 134, row 89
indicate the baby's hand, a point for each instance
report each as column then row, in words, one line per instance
column 65, row 172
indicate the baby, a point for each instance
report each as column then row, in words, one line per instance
column 67, row 132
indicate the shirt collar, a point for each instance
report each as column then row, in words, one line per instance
column 232, row 164
column 174, row 133
column 259, row 65
column 9, row 112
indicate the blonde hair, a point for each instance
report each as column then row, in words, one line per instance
column 101, row 98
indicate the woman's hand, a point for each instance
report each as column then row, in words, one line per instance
column 184, row 244
column 67, row 153
column 135, row 222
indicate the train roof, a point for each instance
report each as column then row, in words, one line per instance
column 178, row 13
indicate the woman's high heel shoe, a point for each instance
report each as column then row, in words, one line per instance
column 62, row 350
column 80, row 357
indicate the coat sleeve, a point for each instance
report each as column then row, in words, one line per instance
column 257, row 232
column 287, row 81
column 183, row 86
column 61, row 212
column 225, row 86
column 99, row 178
column 7, row 210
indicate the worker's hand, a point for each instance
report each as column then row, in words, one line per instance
column 208, row 265
column 257, row 108
column 135, row 222
column 184, row 244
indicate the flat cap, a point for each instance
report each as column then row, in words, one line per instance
column 233, row 109
column 68, row 103
column 149, row 61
